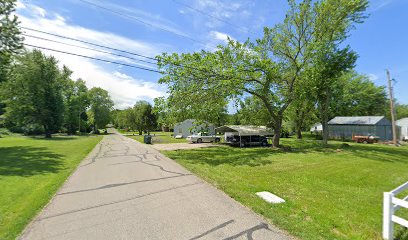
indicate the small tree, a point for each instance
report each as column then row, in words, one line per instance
column 76, row 101
column 100, row 107
column 144, row 118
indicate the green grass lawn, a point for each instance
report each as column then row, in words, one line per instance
column 31, row 171
column 331, row 193
column 157, row 137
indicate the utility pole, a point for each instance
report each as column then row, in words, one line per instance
column 394, row 129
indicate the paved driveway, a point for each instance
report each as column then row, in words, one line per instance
column 127, row 190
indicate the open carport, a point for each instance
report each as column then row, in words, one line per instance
column 245, row 135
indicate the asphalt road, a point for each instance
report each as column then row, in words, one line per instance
column 128, row 190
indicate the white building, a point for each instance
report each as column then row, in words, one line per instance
column 189, row 127
column 403, row 125
column 317, row 128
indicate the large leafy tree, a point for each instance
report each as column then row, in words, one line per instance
column 34, row 93
column 10, row 41
column 143, row 117
column 332, row 25
column 101, row 106
column 76, row 101
column 358, row 96
column 267, row 69
column 272, row 68
column 10, row 36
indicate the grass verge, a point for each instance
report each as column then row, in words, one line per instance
column 331, row 193
column 31, row 171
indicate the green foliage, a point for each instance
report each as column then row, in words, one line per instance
column 34, row 93
column 10, row 39
column 357, row 95
column 100, row 107
column 300, row 52
column 141, row 117
column 144, row 117
column 401, row 110
column 253, row 112
column 76, row 101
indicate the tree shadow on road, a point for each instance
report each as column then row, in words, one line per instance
column 28, row 161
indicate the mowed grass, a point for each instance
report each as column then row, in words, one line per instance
column 31, row 171
column 157, row 137
column 331, row 193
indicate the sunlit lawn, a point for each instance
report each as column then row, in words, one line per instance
column 31, row 171
column 331, row 193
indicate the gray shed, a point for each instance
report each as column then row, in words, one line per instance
column 189, row 127
column 347, row 127
column 403, row 127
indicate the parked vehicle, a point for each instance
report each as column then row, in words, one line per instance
column 244, row 141
column 366, row 139
column 203, row 137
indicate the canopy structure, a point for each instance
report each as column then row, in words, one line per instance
column 246, row 130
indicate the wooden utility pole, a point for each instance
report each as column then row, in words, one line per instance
column 394, row 128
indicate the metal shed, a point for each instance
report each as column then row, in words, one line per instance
column 347, row 127
column 403, row 127
column 190, row 126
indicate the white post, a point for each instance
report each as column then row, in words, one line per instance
column 388, row 211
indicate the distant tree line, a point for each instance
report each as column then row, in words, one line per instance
column 140, row 118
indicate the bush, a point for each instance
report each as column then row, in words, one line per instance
column 32, row 129
column 284, row 133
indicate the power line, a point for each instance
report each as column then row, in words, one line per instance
column 90, row 43
column 106, row 47
column 122, row 14
column 108, row 61
column 94, row 58
column 92, row 49
column 215, row 17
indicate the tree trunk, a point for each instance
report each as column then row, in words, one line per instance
column 324, row 114
column 299, row 132
column 47, row 132
column 278, row 130
column 140, row 132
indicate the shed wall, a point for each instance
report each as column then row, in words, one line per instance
column 347, row 131
column 188, row 128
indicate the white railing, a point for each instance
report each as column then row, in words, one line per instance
column 392, row 204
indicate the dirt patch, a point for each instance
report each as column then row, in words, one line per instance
column 179, row 146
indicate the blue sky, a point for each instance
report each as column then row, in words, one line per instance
column 380, row 41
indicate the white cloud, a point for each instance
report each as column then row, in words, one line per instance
column 39, row 11
column 20, row 5
column 124, row 89
column 220, row 36
column 372, row 77
column 216, row 38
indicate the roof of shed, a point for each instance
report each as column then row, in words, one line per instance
column 361, row 120
column 246, row 129
column 402, row 122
